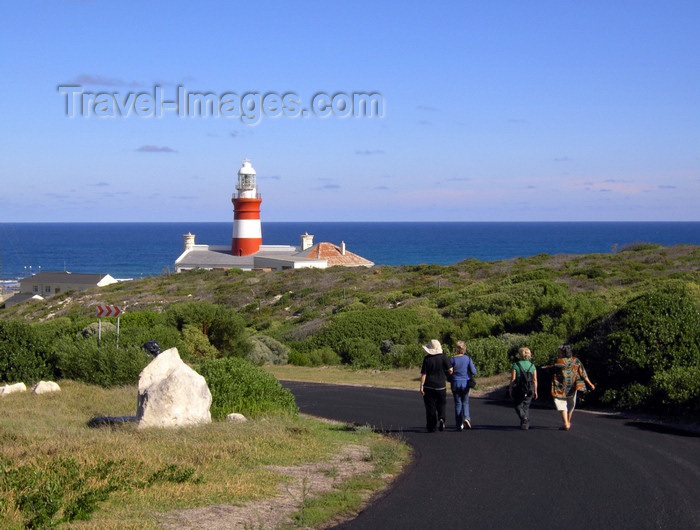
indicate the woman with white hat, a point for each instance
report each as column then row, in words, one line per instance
column 433, row 385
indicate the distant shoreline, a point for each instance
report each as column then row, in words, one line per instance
column 136, row 250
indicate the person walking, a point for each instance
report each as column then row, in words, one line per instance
column 433, row 385
column 569, row 376
column 523, row 386
column 463, row 370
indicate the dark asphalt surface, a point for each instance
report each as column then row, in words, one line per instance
column 606, row 472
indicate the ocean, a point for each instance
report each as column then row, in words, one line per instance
column 135, row 250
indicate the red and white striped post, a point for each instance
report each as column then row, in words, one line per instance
column 107, row 311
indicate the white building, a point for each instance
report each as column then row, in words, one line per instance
column 247, row 252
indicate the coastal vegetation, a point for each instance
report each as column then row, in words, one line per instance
column 631, row 315
column 58, row 472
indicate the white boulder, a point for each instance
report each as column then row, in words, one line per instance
column 235, row 417
column 171, row 394
column 44, row 387
column 11, row 389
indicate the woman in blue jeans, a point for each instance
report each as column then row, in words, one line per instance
column 463, row 369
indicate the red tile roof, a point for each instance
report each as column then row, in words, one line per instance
column 334, row 256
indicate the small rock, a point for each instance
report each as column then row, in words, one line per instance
column 43, row 387
column 12, row 389
column 235, row 417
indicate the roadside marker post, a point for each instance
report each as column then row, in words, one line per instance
column 107, row 311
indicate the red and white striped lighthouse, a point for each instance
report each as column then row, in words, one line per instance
column 247, row 233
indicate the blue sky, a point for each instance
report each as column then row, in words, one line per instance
column 493, row 110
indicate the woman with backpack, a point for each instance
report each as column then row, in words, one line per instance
column 523, row 386
column 463, row 372
column 569, row 377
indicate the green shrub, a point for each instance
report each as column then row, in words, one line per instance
column 325, row 357
column 195, row 344
column 360, row 353
column 267, row 350
column 95, row 329
column 629, row 397
column 543, row 273
column 590, row 272
column 544, row 347
column 309, row 314
column 514, row 342
column 26, row 354
column 490, row 355
column 638, row 246
column 64, row 490
column 481, row 324
column 222, row 325
column 678, row 388
column 298, row 358
column 398, row 325
column 408, row 356
column 140, row 319
column 353, row 305
column 648, row 344
column 107, row 365
column 236, row 385
column 166, row 336
column 58, row 327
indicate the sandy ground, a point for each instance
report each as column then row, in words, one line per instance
column 304, row 481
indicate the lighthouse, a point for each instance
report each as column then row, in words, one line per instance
column 247, row 233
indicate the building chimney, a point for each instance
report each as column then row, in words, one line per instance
column 189, row 240
column 307, row 241
column 342, row 248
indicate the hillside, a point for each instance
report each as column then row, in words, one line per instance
column 311, row 295
column 634, row 310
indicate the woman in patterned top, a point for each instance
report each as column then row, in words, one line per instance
column 569, row 377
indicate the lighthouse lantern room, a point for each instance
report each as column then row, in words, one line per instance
column 247, row 232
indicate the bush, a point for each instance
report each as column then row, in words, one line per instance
column 678, row 388
column 490, row 355
column 195, row 344
column 544, row 347
column 107, row 366
column 26, row 355
column 222, row 325
column 298, row 358
column 360, row 353
column 324, row 357
column 480, row 324
column 95, row 329
column 314, row 357
column 408, row 356
column 398, row 325
column 236, row 385
column 166, row 336
column 514, row 342
column 267, row 350
column 650, row 343
column 141, row 319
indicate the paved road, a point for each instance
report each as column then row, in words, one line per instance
column 606, row 472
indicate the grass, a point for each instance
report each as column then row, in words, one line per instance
column 404, row 378
column 349, row 496
column 56, row 470
column 397, row 378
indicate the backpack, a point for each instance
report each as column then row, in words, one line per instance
column 525, row 384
